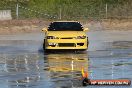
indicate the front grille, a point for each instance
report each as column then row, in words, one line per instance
column 66, row 44
column 67, row 38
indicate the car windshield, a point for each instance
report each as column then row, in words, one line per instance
column 65, row 26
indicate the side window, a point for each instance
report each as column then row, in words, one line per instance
column 51, row 26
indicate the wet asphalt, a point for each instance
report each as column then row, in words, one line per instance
column 23, row 64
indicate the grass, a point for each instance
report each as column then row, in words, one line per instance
column 69, row 9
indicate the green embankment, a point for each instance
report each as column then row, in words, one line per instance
column 69, row 9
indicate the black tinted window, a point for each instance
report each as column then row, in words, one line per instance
column 65, row 26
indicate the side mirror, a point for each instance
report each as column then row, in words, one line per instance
column 86, row 29
column 44, row 29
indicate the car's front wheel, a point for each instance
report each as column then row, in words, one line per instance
column 44, row 47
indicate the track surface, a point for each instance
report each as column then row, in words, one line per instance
column 24, row 65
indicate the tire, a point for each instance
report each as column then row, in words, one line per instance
column 44, row 48
column 87, row 42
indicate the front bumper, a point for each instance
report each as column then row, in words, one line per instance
column 66, row 44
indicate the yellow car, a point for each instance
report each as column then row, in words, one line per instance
column 65, row 35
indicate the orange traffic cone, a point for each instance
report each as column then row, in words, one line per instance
column 85, row 79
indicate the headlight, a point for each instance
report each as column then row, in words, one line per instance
column 52, row 44
column 81, row 37
column 52, row 37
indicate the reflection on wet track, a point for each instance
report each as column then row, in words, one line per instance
column 59, row 70
column 65, row 69
column 21, row 70
column 36, row 70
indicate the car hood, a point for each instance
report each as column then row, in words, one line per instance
column 66, row 33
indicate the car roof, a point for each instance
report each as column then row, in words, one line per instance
column 66, row 21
